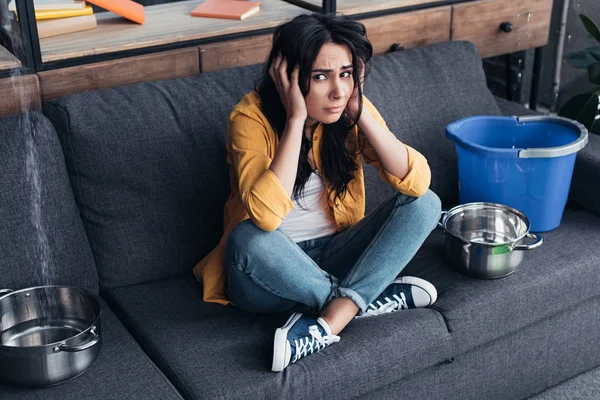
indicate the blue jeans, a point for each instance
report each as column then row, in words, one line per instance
column 267, row 272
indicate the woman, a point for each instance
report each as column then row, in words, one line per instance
column 296, row 238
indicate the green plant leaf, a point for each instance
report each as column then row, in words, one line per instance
column 590, row 26
column 594, row 73
column 581, row 59
column 582, row 108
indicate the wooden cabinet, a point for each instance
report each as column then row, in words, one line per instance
column 410, row 29
column 234, row 53
column 502, row 26
column 20, row 93
column 495, row 26
column 124, row 71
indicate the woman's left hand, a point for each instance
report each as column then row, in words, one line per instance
column 352, row 105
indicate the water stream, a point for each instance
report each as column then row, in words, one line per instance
column 38, row 252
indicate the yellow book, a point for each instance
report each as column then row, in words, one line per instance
column 51, row 14
column 51, row 5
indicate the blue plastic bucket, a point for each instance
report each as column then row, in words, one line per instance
column 522, row 162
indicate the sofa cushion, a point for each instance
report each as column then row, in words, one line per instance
column 560, row 274
column 514, row 366
column 147, row 161
column 148, row 167
column 585, row 190
column 42, row 237
column 510, row 108
column 121, row 371
column 216, row 352
column 420, row 91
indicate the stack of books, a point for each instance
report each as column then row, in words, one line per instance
column 59, row 17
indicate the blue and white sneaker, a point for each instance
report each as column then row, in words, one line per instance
column 404, row 293
column 300, row 336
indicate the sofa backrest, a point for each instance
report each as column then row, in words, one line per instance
column 42, row 237
column 148, row 166
column 420, row 91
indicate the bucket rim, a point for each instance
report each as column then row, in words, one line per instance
column 550, row 152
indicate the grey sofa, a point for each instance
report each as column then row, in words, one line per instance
column 134, row 182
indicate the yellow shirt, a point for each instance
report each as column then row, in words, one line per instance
column 257, row 193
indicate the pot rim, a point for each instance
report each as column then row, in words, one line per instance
column 461, row 207
column 80, row 334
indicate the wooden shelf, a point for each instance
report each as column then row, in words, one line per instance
column 25, row 89
column 7, row 60
column 350, row 7
column 165, row 24
column 479, row 22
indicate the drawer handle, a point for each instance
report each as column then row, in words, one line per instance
column 396, row 47
column 506, row 27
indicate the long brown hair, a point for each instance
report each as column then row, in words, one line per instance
column 300, row 41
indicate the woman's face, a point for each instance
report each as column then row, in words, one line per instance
column 331, row 84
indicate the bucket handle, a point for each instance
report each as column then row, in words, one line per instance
column 5, row 292
column 558, row 151
column 72, row 349
column 439, row 224
column 538, row 240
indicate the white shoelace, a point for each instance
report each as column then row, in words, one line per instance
column 314, row 343
column 390, row 306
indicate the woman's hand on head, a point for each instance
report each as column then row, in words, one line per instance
column 352, row 106
column 288, row 88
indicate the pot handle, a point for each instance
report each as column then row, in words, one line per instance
column 439, row 224
column 538, row 240
column 81, row 347
column 4, row 292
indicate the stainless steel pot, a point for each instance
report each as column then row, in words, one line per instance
column 48, row 334
column 486, row 240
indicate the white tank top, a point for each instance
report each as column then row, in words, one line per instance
column 311, row 217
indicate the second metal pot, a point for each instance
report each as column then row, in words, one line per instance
column 48, row 334
column 486, row 240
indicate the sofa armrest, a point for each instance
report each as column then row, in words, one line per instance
column 585, row 186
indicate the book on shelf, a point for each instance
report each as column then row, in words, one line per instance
column 226, row 9
column 62, row 26
column 52, row 14
column 125, row 8
column 40, row 5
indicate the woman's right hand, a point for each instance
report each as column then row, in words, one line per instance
column 289, row 90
